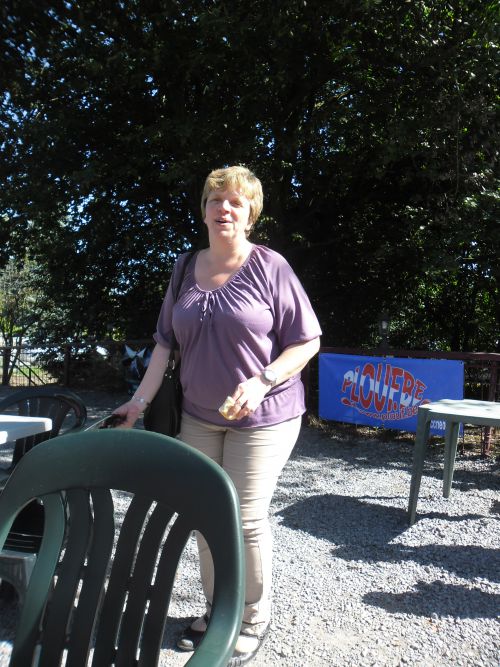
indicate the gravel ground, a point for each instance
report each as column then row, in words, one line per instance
column 354, row 585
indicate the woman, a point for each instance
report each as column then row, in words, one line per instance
column 246, row 329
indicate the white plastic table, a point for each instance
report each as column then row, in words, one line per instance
column 453, row 413
column 14, row 427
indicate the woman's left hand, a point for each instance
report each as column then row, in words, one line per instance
column 247, row 397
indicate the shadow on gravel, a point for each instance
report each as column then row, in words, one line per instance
column 358, row 453
column 354, row 521
column 438, row 598
column 469, row 562
column 364, row 531
column 345, row 520
column 465, row 480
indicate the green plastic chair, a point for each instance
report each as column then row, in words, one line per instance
column 85, row 595
column 68, row 413
column 64, row 407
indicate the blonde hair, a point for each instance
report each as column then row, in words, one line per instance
column 236, row 178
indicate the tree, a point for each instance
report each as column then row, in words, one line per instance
column 20, row 310
column 372, row 125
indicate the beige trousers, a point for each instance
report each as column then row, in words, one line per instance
column 254, row 459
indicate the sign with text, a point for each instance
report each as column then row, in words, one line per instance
column 385, row 391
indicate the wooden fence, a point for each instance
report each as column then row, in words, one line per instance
column 24, row 366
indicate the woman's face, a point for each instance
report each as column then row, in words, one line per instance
column 227, row 213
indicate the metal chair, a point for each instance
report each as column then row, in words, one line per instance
column 88, row 593
column 68, row 413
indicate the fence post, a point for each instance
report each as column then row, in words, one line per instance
column 488, row 431
column 6, row 355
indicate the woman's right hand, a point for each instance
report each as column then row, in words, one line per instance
column 130, row 412
column 150, row 383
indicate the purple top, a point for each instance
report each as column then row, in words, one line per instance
column 229, row 334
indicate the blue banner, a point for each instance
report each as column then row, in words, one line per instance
column 385, row 391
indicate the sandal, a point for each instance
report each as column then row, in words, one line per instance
column 239, row 659
column 190, row 639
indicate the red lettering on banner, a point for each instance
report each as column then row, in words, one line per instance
column 354, row 395
column 370, row 390
column 407, row 389
column 380, row 400
column 420, row 387
column 368, row 372
column 348, row 380
column 396, row 374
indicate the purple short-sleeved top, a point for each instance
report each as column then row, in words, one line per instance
column 229, row 334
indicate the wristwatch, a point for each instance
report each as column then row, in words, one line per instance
column 269, row 377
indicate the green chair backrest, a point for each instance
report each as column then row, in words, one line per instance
column 86, row 594
column 63, row 406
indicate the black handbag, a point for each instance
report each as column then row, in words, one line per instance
column 163, row 415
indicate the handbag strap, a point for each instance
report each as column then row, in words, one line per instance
column 176, row 290
column 182, row 273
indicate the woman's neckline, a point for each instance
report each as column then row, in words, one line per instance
column 229, row 279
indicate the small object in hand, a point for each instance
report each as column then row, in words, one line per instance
column 112, row 421
column 228, row 403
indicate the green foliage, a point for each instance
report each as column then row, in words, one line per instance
column 21, row 302
column 21, row 306
column 372, row 125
